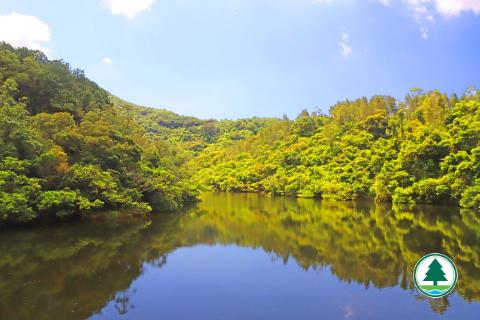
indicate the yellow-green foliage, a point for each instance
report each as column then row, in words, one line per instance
column 425, row 149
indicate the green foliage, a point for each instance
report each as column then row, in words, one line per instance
column 61, row 202
column 471, row 196
column 304, row 126
column 18, row 193
column 425, row 149
column 17, row 137
column 67, row 149
column 49, row 86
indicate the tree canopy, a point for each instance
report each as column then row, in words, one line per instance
column 424, row 149
column 67, row 147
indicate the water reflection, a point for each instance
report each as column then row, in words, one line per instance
column 73, row 271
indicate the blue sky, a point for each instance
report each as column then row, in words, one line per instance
column 240, row 58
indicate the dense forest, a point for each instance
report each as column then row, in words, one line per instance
column 68, row 147
column 425, row 149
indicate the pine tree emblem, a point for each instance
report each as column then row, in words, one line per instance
column 435, row 275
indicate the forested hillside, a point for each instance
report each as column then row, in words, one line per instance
column 188, row 133
column 425, row 149
column 68, row 147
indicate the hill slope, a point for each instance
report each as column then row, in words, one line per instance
column 67, row 147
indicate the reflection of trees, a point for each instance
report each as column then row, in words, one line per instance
column 361, row 242
column 72, row 271
column 122, row 301
column 439, row 305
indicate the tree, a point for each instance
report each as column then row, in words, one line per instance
column 304, row 125
column 435, row 272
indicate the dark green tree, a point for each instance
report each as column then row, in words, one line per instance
column 435, row 272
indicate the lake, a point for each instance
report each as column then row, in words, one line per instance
column 242, row 256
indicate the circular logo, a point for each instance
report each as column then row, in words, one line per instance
column 435, row 275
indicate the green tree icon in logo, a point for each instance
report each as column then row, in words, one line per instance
column 435, row 273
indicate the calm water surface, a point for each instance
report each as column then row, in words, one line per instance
column 242, row 257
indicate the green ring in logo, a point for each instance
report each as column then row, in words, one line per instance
column 453, row 284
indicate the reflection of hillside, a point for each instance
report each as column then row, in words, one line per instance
column 72, row 271
column 369, row 244
column 299, row 229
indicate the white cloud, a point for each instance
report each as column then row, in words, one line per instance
column 127, row 8
column 384, row 2
column 22, row 30
column 344, row 43
column 448, row 8
column 456, row 7
column 420, row 9
column 107, row 60
column 424, row 32
column 425, row 11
